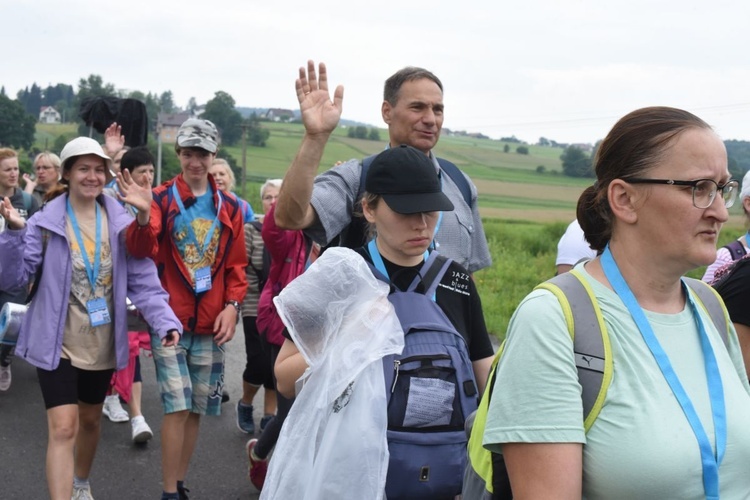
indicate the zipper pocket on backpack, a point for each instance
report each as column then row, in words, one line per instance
column 398, row 365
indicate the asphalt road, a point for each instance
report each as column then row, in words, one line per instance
column 123, row 470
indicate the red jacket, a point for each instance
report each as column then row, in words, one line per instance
column 228, row 282
column 289, row 250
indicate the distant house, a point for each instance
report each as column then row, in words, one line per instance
column 48, row 114
column 170, row 124
column 279, row 115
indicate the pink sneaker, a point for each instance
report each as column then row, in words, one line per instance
column 258, row 466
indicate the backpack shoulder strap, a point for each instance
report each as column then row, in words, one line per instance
column 712, row 304
column 591, row 346
column 26, row 201
column 431, row 273
column 736, row 249
column 362, row 176
column 458, row 178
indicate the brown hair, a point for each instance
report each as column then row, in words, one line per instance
column 635, row 144
column 6, row 153
column 372, row 201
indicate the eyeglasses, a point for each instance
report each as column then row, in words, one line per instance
column 269, row 197
column 704, row 190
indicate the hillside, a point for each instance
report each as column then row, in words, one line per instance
column 511, row 185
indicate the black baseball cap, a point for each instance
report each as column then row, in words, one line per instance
column 407, row 180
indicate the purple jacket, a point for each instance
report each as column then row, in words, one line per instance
column 41, row 336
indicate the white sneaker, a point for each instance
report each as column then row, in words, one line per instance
column 82, row 493
column 5, row 378
column 141, row 431
column 114, row 410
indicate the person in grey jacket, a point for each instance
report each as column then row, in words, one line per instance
column 75, row 331
column 327, row 204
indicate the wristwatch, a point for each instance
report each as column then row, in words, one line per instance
column 233, row 303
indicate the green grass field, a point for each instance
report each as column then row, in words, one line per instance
column 524, row 212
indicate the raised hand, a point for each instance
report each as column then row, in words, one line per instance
column 320, row 114
column 133, row 194
column 11, row 215
column 28, row 183
column 114, row 141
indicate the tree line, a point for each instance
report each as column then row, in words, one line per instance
column 18, row 115
column 577, row 163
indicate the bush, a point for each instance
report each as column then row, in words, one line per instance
column 522, row 150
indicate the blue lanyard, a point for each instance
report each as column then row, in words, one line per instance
column 709, row 460
column 189, row 221
column 91, row 272
column 377, row 260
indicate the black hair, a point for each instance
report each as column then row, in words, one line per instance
column 135, row 158
column 410, row 73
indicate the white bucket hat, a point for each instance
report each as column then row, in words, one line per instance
column 81, row 146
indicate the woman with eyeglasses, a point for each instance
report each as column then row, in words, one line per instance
column 47, row 169
column 674, row 420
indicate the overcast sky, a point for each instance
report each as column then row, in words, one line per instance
column 562, row 69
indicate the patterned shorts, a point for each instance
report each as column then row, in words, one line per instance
column 190, row 375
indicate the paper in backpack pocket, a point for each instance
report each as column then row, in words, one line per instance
column 429, row 403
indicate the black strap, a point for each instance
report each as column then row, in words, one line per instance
column 736, row 249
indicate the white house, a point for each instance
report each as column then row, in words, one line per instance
column 48, row 114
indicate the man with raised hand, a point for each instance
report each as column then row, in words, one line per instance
column 324, row 205
column 194, row 232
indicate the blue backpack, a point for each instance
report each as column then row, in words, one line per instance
column 430, row 390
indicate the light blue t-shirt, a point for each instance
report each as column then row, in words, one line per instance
column 641, row 445
column 203, row 213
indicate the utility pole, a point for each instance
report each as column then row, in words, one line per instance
column 244, row 156
column 158, row 150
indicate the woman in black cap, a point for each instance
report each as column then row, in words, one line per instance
column 404, row 205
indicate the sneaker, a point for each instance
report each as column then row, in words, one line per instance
column 182, row 492
column 141, row 431
column 113, row 409
column 258, row 466
column 5, row 378
column 82, row 493
column 245, row 421
column 224, row 396
column 264, row 421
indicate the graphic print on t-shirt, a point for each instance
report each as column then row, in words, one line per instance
column 203, row 214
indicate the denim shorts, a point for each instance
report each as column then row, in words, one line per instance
column 191, row 374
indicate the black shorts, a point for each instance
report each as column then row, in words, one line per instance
column 67, row 385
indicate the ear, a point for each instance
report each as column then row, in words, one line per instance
column 368, row 212
column 746, row 204
column 385, row 110
column 624, row 200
